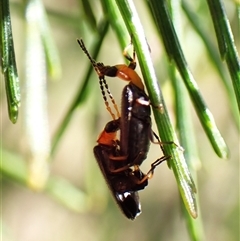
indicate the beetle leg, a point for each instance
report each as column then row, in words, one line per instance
column 161, row 143
column 124, row 158
column 120, row 169
column 132, row 64
column 149, row 174
column 139, row 157
column 118, row 158
column 155, row 164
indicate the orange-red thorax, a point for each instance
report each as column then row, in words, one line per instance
column 107, row 138
column 128, row 74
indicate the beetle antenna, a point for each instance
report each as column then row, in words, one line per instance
column 103, row 84
column 84, row 49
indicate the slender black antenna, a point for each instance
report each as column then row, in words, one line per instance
column 82, row 45
column 102, row 82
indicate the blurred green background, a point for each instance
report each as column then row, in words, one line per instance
column 76, row 204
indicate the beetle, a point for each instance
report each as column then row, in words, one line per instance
column 123, row 184
column 116, row 158
column 135, row 125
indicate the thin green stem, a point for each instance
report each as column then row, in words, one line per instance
column 115, row 19
column 166, row 132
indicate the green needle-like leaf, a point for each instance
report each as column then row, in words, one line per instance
column 166, row 132
column 9, row 67
column 213, row 56
column 89, row 14
column 187, row 139
column 226, row 44
column 116, row 21
column 173, row 48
